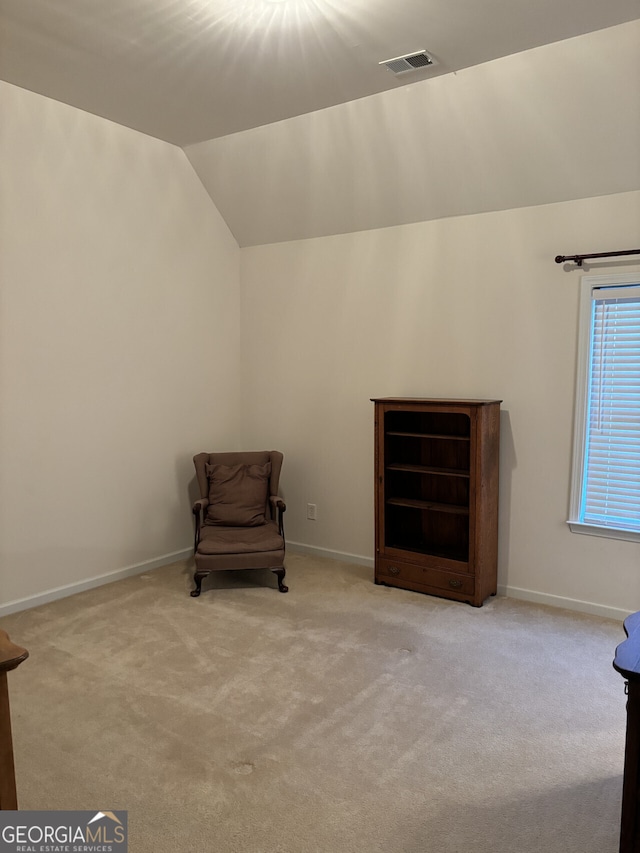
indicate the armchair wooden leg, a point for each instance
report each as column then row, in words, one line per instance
column 280, row 573
column 198, row 578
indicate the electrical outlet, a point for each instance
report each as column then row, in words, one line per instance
column 312, row 512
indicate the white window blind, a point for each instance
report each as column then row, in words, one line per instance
column 610, row 493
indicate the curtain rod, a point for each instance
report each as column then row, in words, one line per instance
column 560, row 259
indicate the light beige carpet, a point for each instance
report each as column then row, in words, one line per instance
column 343, row 717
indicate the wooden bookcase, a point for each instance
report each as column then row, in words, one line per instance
column 437, row 496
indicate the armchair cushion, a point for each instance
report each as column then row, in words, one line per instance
column 237, row 494
column 251, row 540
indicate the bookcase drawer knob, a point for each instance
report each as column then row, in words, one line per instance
column 455, row 584
column 394, row 570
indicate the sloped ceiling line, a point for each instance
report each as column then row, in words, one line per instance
column 547, row 125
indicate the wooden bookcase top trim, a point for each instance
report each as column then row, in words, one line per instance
column 433, row 401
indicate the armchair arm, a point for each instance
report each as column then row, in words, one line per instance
column 278, row 504
column 196, row 509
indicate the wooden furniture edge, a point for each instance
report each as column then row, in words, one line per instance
column 11, row 655
column 627, row 657
column 627, row 663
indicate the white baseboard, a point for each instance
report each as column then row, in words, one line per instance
column 345, row 557
column 314, row 551
column 91, row 583
column 567, row 603
column 506, row 590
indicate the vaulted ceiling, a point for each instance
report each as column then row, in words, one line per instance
column 191, row 70
column 551, row 124
column 296, row 130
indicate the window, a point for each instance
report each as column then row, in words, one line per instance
column 605, row 492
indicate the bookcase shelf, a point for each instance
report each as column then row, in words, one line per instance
column 427, row 469
column 427, row 435
column 430, row 505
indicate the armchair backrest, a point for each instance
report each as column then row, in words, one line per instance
column 250, row 457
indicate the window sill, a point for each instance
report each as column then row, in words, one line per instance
column 605, row 532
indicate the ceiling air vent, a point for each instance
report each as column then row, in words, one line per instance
column 409, row 62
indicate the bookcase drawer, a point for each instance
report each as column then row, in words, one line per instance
column 396, row 572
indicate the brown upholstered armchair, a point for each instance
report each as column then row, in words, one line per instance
column 239, row 516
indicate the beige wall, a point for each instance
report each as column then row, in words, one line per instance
column 119, row 332
column 470, row 306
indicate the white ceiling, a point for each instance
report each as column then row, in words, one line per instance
column 552, row 124
column 192, row 70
